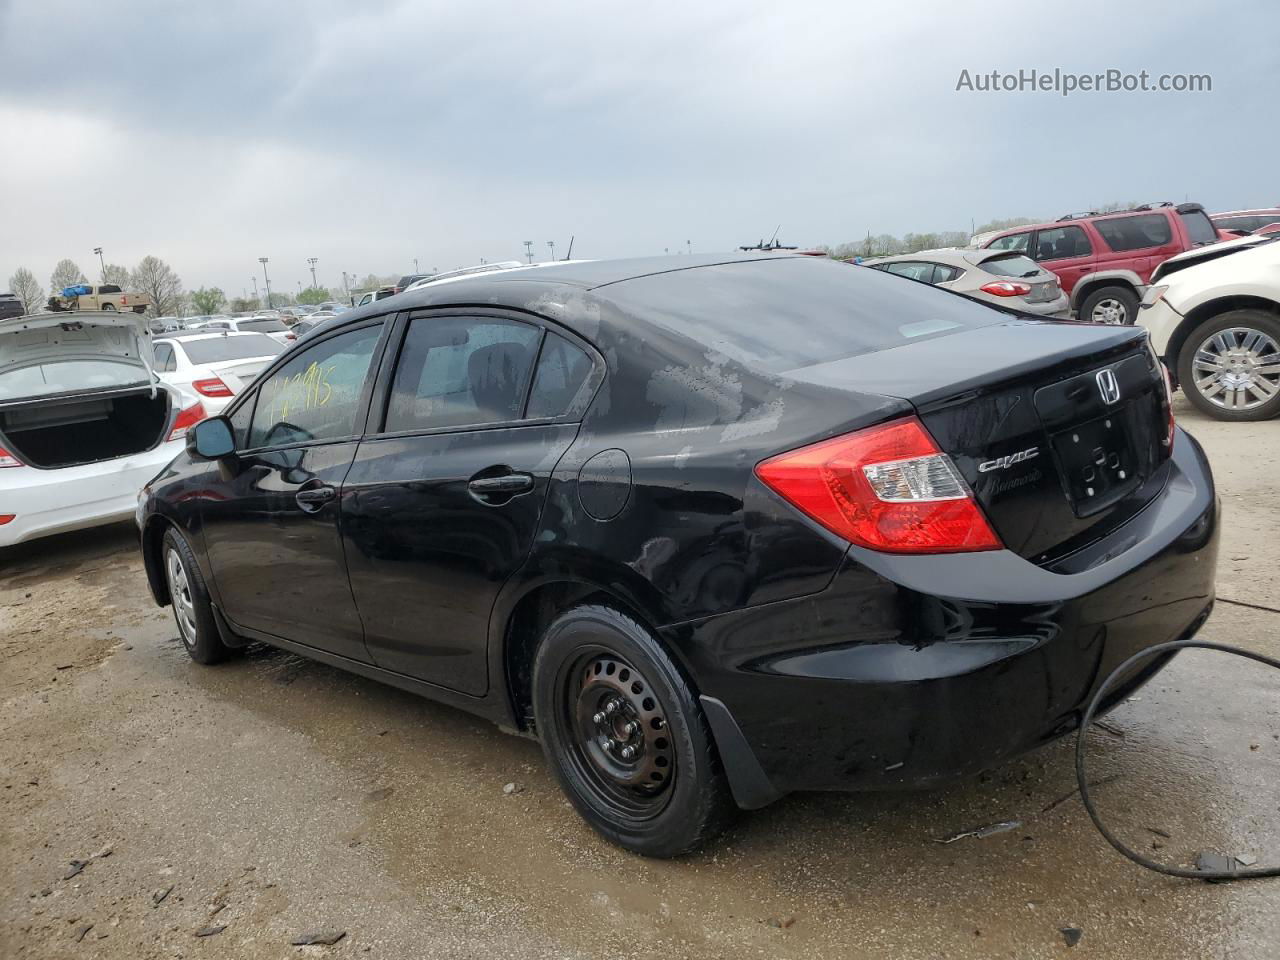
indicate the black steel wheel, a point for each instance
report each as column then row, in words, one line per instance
column 625, row 734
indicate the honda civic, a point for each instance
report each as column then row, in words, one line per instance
column 711, row 530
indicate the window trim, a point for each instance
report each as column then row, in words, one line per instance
column 377, row 416
column 360, row 421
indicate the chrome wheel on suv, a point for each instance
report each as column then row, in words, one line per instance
column 1238, row 368
column 1109, row 310
column 1229, row 367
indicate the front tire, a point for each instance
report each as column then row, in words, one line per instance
column 1229, row 367
column 625, row 736
column 190, row 599
column 1116, row 305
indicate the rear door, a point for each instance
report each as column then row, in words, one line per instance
column 442, row 504
column 1139, row 242
column 271, row 517
column 1065, row 250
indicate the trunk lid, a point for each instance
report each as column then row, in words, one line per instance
column 238, row 374
column 1058, row 428
column 110, row 350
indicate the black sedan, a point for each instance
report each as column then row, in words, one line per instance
column 712, row 530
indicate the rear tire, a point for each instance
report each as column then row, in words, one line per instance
column 189, row 596
column 1234, row 348
column 108, row 308
column 1113, row 305
column 625, row 736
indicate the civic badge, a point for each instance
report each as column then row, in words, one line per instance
column 1108, row 386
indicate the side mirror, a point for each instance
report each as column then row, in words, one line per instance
column 212, row 439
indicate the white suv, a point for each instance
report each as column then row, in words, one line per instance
column 1214, row 317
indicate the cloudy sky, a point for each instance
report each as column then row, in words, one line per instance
column 369, row 133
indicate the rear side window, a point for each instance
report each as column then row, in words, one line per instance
column 563, row 371
column 316, row 395
column 1015, row 241
column 943, row 273
column 1059, row 243
column 165, row 361
column 456, row 371
column 1014, row 266
column 914, row 270
column 1135, row 233
column 787, row 314
column 1199, row 228
column 108, row 288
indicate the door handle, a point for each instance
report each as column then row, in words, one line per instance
column 312, row 499
column 508, row 483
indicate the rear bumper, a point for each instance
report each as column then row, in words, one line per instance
column 911, row 671
column 1059, row 309
column 46, row 502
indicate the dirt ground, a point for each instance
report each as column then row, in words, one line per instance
column 271, row 797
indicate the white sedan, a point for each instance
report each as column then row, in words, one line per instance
column 214, row 366
column 273, row 327
column 1213, row 314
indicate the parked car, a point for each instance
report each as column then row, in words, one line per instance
column 304, row 327
column 1246, row 221
column 1214, row 317
column 333, row 306
column 108, row 297
column 712, row 530
column 1104, row 261
column 410, row 278
column 472, row 271
column 997, row 276
column 214, row 366
column 272, row 326
column 373, row 296
column 83, row 421
column 11, row 306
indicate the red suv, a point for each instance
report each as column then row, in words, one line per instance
column 1104, row 260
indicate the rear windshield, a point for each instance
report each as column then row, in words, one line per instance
column 218, row 349
column 785, row 314
column 1199, row 228
column 66, row 376
column 266, row 325
column 1011, row 267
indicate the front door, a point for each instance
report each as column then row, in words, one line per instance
column 271, row 526
column 441, row 507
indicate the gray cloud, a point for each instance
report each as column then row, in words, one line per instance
column 370, row 133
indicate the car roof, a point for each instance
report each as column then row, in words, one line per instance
column 191, row 337
column 956, row 257
column 1255, row 212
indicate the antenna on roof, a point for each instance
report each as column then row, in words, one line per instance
column 569, row 255
column 774, row 238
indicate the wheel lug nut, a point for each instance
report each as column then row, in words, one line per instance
column 598, row 718
column 628, row 753
column 632, row 727
column 611, row 706
column 605, row 743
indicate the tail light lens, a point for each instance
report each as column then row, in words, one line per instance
column 8, row 459
column 1006, row 288
column 1168, row 405
column 887, row 488
column 187, row 419
column 212, row 387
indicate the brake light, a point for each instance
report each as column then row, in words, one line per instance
column 213, row 387
column 1168, row 406
column 8, row 459
column 888, row 488
column 187, row 419
column 7, row 518
column 1006, row 288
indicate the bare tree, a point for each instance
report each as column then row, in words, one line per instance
column 64, row 275
column 24, row 286
column 114, row 273
column 156, row 278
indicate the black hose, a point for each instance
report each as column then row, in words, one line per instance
column 1082, row 779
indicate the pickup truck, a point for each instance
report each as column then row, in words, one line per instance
column 107, row 296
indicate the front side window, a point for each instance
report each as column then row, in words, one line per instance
column 1059, row 243
column 1015, row 241
column 456, row 371
column 316, row 395
column 560, row 381
column 1135, row 233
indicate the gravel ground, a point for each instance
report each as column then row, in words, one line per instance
column 147, row 801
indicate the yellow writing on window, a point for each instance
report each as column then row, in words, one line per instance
column 307, row 389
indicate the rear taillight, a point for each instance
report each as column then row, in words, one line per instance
column 212, row 387
column 1006, row 288
column 7, row 518
column 8, row 459
column 187, row 419
column 887, row 488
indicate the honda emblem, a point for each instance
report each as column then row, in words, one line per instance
column 1108, row 386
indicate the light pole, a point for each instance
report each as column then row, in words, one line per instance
column 689, row 244
column 528, row 250
column 266, row 279
column 415, row 264
column 255, row 288
column 102, row 263
column 312, row 261
column 552, row 245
